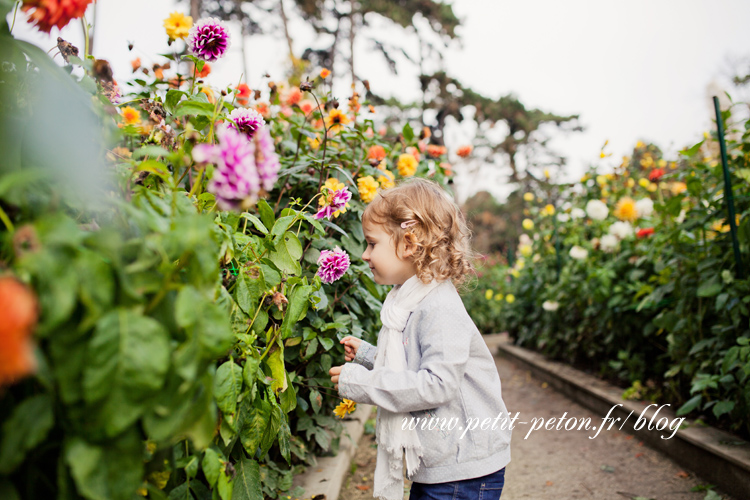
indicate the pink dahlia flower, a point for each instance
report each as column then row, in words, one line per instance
column 235, row 181
column 333, row 264
column 266, row 159
column 208, row 39
column 338, row 201
column 247, row 121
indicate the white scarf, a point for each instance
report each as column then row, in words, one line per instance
column 392, row 440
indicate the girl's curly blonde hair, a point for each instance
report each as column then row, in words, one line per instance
column 440, row 235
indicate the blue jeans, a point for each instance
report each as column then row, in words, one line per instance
column 488, row 487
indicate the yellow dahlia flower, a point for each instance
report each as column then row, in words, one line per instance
column 407, row 165
column 345, row 407
column 625, row 209
column 387, row 181
column 178, row 25
column 368, row 188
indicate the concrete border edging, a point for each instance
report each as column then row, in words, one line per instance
column 327, row 477
column 705, row 450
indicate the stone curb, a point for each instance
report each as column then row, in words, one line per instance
column 327, row 477
column 705, row 450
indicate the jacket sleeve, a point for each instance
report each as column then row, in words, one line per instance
column 365, row 355
column 444, row 346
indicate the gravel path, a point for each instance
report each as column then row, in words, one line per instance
column 559, row 465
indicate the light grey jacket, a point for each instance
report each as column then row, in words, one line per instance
column 451, row 375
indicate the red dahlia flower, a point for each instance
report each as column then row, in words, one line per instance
column 49, row 13
column 646, row 231
column 656, row 174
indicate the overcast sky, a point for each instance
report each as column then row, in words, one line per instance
column 636, row 70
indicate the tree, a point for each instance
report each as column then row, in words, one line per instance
column 448, row 97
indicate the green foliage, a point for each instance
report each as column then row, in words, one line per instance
column 183, row 351
column 664, row 313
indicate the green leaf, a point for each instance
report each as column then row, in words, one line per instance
column 689, row 406
column 112, row 472
column 227, row 387
column 224, row 485
column 272, row 429
column 255, row 426
column 408, row 133
column 211, row 465
column 689, row 153
column 266, row 213
column 150, row 151
column 729, row 358
column 314, row 222
column 256, row 222
column 285, row 437
column 298, row 301
column 316, row 400
column 281, row 226
column 7, row 490
column 249, row 290
column 26, row 427
column 723, row 407
column 326, row 342
column 127, row 350
column 247, row 484
column 276, row 363
column 710, row 288
column 288, row 253
column 195, row 108
column 288, row 399
column 173, row 98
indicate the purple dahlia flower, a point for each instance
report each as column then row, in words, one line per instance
column 247, row 121
column 208, row 39
column 338, row 201
column 266, row 159
column 235, row 181
column 333, row 264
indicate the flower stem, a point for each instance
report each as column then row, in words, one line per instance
column 15, row 11
column 192, row 81
column 85, row 26
column 194, row 189
column 6, row 220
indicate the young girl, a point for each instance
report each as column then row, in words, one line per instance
column 433, row 378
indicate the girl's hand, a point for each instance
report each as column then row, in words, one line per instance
column 334, row 372
column 351, row 344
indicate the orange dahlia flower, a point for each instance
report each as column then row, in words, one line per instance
column 435, row 151
column 18, row 308
column 465, row 151
column 376, row 152
column 49, row 13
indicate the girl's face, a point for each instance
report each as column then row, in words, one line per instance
column 386, row 267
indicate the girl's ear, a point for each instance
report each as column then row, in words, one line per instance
column 409, row 245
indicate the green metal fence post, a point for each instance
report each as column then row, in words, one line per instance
column 728, row 190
